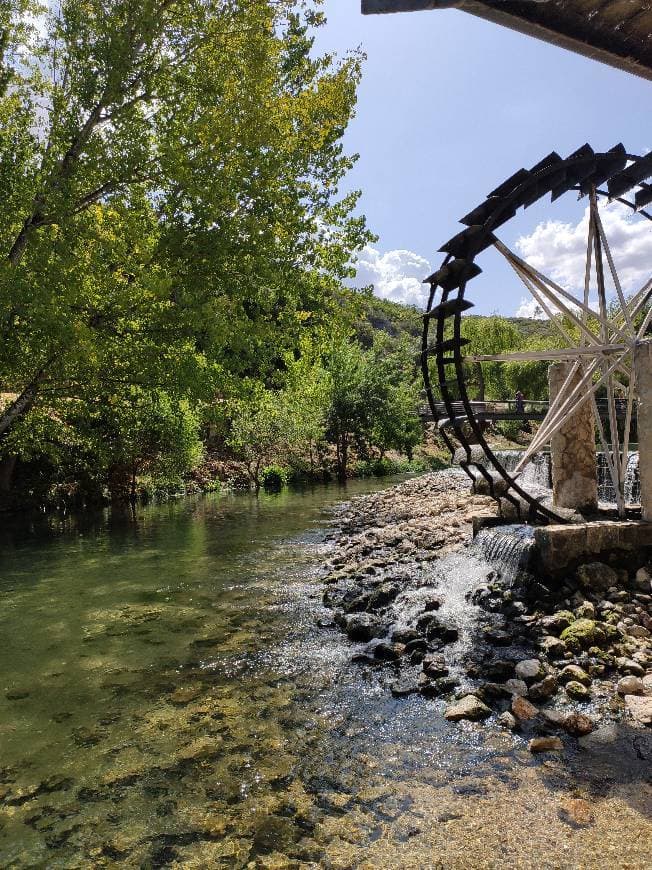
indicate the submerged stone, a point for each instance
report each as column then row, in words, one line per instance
column 545, row 744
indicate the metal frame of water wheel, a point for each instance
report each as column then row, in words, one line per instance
column 584, row 171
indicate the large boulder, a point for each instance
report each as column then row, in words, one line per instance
column 596, row 577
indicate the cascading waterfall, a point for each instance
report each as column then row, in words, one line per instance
column 508, row 548
column 537, row 475
column 606, row 492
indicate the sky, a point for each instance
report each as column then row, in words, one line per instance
column 448, row 108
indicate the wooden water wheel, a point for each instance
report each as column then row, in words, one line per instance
column 597, row 335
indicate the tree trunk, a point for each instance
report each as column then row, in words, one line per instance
column 22, row 404
column 342, row 458
column 7, row 466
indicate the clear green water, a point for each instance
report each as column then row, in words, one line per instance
column 162, row 680
column 167, row 699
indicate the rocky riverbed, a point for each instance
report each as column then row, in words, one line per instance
column 423, row 605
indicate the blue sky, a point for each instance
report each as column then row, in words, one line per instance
column 449, row 107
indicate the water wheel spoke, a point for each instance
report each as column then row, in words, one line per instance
column 618, row 480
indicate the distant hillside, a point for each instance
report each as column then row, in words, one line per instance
column 398, row 320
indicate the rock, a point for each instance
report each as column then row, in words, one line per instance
column 577, row 724
column 643, row 580
column 577, row 813
column 647, row 684
column 640, row 709
column 363, row 626
column 516, row 687
column 554, row 717
column 599, row 739
column 577, row 691
column 545, row 689
column 545, row 744
column 468, row 707
column 522, row 709
column 497, row 637
column 556, row 623
column 529, row 670
column 630, row 686
column 553, row 647
column 638, row 631
column 435, row 629
column 499, row 669
column 582, row 634
column 435, row 688
column 434, row 666
column 385, row 651
column 383, row 595
column 507, row 720
column 596, row 577
column 585, row 611
column 575, row 673
column 490, row 692
column 406, row 635
column 404, row 687
column 629, row 666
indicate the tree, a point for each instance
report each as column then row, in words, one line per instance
column 373, row 399
column 489, row 335
column 168, row 212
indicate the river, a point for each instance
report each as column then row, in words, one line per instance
column 168, row 699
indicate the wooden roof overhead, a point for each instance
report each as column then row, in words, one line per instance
column 616, row 32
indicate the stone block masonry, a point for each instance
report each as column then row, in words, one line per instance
column 574, row 471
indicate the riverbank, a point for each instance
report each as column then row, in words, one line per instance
column 541, row 656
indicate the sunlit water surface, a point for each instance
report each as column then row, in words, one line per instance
column 167, row 698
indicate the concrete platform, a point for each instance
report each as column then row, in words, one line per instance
column 565, row 546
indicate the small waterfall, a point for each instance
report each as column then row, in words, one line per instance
column 537, row 475
column 508, row 548
column 606, row 492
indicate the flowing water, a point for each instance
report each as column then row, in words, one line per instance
column 536, row 477
column 167, row 699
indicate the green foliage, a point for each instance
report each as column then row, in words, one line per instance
column 169, row 217
column 275, row 477
column 373, row 399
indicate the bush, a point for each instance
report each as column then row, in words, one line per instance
column 274, row 478
column 385, row 467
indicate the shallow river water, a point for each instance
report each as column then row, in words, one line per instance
column 167, row 699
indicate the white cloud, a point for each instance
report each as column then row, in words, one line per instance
column 530, row 308
column 395, row 275
column 559, row 249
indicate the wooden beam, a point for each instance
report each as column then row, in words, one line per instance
column 617, row 54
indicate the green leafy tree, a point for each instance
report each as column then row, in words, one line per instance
column 169, row 218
